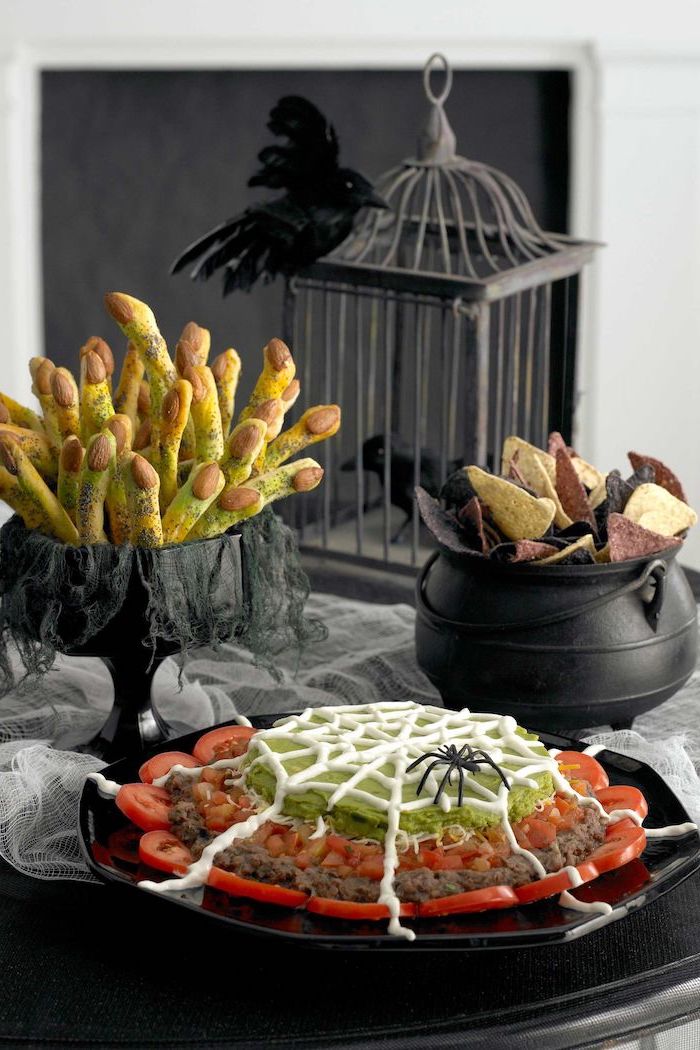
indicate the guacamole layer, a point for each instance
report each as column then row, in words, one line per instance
column 359, row 818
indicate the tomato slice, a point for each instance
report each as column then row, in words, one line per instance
column 147, row 806
column 257, row 891
column 624, row 841
column 552, row 884
column 161, row 850
column 623, row 796
column 225, row 742
column 584, row 767
column 159, row 765
column 355, row 909
column 471, row 900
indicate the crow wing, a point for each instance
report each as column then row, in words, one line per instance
column 259, row 241
column 310, row 154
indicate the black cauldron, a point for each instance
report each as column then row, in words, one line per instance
column 560, row 646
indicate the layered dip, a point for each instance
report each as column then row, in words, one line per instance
column 388, row 810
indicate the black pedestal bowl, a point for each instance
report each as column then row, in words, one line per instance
column 199, row 584
column 560, row 646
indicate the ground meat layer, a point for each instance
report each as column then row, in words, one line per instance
column 422, row 884
column 254, row 862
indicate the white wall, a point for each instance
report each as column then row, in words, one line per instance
column 636, row 160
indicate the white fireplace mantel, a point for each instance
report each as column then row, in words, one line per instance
column 635, row 161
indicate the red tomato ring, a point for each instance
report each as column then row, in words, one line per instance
column 557, row 882
column 265, row 892
column 584, row 767
column 355, row 909
column 470, row 901
column 623, row 796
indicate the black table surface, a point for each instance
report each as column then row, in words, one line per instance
column 95, row 966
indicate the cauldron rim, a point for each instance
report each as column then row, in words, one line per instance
column 557, row 570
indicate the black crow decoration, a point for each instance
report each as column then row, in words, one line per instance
column 403, row 472
column 314, row 214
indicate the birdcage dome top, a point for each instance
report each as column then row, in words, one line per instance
column 448, row 215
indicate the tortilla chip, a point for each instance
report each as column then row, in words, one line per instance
column 628, row 539
column 443, row 525
column 588, row 475
column 599, row 494
column 533, row 466
column 556, row 443
column 602, row 556
column 530, row 550
column 663, row 475
column 517, row 514
column 585, row 543
column 515, row 445
column 618, row 490
column 655, row 509
column 472, row 521
column 571, row 492
column 457, row 489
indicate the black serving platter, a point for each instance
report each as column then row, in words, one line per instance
column 109, row 843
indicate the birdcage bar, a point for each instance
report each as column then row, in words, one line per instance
column 389, row 365
column 359, row 428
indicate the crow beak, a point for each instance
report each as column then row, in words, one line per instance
column 373, row 200
column 348, row 465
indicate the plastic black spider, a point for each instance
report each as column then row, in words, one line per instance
column 466, row 759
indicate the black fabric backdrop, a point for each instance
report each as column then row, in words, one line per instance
column 135, row 165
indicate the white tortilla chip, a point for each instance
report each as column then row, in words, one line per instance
column 656, row 509
column 517, row 514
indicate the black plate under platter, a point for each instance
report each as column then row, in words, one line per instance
column 664, row 865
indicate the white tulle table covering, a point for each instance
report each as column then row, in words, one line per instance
column 368, row 656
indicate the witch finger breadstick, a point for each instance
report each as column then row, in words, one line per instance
column 235, row 504
column 197, row 340
column 278, row 372
column 117, row 505
column 176, row 412
column 316, row 424
column 70, row 463
column 95, row 476
column 41, row 375
column 20, row 415
column 36, row 446
column 205, row 413
column 67, row 401
column 103, row 350
column 226, row 369
column 126, row 396
column 31, row 497
column 142, row 485
column 138, row 324
column 199, row 491
column 242, row 449
column 96, row 406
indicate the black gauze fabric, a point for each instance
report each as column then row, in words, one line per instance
column 247, row 585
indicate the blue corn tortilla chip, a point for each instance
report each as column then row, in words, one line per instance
column 522, row 551
column 457, row 490
column 443, row 525
column 471, row 518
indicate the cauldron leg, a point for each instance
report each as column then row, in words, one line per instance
column 133, row 723
column 626, row 723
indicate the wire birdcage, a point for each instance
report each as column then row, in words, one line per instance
column 440, row 326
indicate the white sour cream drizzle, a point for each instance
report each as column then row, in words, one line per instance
column 359, row 741
column 104, row 786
